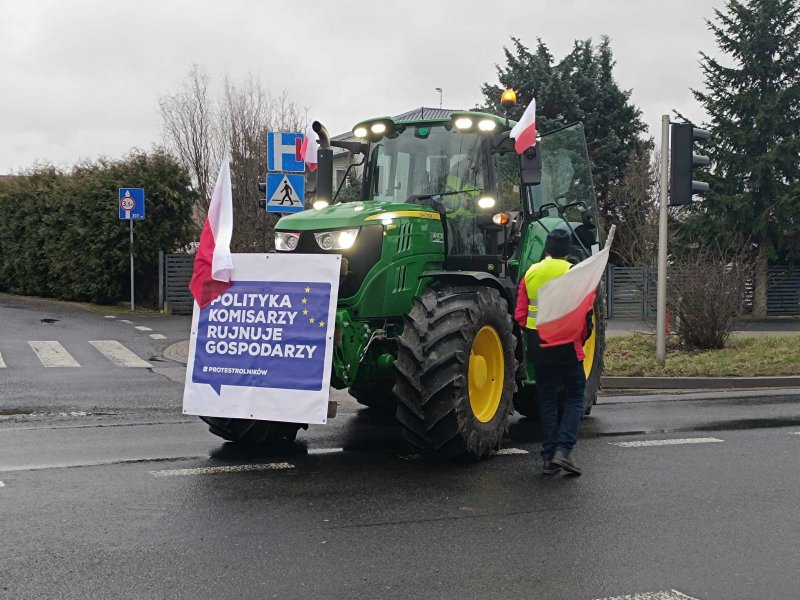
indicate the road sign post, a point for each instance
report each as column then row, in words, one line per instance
column 131, row 208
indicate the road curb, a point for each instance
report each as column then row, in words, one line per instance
column 179, row 352
column 689, row 383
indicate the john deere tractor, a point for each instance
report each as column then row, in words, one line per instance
column 449, row 218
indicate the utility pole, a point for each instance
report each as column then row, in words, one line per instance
column 440, row 96
column 661, row 294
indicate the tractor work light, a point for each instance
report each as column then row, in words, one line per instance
column 486, row 202
column 319, row 204
column 374, row 129
column 286, row 241
column 463, row 123
column 487, row 125
column 336, row 240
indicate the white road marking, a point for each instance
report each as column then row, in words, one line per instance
column 794, row 433
column 325, row 450
column 158, row 336
column 510, row 451
column 119, row 354
column 110, row 317
column 2, row 485
column 674, row 442
column 228, row 469
column 663, row 595
column 53, row 354
column 143, row 328
column 125, row 321
column 2, row 364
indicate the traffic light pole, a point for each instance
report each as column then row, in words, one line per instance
column 661, row 294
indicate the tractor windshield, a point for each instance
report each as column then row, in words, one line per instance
column 427, row 160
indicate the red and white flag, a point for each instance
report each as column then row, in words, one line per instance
column 524, row 132
column 213, row 264
column 564, row 302
column 308, row 150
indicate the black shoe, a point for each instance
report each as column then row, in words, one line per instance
column 550, row 468
column 565, row 462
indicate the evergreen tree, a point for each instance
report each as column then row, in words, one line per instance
column 581, row 87
column 753, row 100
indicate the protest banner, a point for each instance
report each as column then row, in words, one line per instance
column 263, row 348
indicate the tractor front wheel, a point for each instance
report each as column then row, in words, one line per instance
column 455, row 371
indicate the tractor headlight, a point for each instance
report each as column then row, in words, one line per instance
column 336, row 240
column 286, row 241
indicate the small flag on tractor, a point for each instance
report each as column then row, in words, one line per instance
column 524, row 132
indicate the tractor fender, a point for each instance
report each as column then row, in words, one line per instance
column 505, row 286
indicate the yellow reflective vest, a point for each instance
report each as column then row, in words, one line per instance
column 537, row 275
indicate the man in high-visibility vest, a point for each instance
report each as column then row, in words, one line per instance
column 556, row 366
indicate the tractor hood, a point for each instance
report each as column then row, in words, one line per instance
column 351, row 214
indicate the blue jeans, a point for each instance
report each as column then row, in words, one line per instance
column 564, row 434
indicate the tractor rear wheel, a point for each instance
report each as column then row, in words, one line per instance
column 526, row 398
column 250, row 432
column 455, row 371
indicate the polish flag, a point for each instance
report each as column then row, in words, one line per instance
column 524, row 132
column 213, row 264
column 309, row 148
column 564, row 302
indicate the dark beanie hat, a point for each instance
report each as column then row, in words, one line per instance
column 558, row 243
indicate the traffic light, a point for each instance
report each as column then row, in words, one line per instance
column 683, row 160
column 262, row 187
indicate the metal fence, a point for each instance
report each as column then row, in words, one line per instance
column 177, row 270
column 630, row 291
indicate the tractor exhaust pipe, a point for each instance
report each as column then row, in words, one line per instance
column 324, row 183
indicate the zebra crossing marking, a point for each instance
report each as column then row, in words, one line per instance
column 227, row 469
column 143, row 328
column 661, row 595
column 2, row 364
column 110, row 317
column 53, row 354
column 119, row 354
column 125, row 321
column 158, row 336
column 673, row 442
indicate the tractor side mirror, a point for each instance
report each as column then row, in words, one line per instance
column 530, row 165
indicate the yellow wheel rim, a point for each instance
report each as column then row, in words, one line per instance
column 486, row 374
column 588, row 349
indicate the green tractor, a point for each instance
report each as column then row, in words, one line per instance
column 449, row 219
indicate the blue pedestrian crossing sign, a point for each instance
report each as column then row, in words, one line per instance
column 285, row 193
column 283, row 152
column 131, row 204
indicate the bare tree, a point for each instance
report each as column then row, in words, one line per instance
column 190, row 132
column 200, row 130
column 707, row 291
column 637, row 221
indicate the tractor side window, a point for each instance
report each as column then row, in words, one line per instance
column 507, row 181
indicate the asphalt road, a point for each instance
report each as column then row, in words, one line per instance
column 109, row 492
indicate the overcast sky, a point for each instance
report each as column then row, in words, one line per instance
column 82, row 78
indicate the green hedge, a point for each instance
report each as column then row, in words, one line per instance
column 61, row 236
